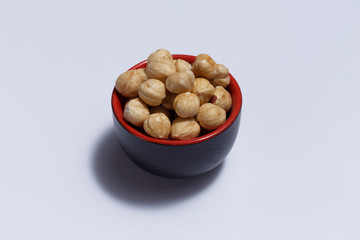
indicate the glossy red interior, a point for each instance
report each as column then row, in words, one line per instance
column 117, row 105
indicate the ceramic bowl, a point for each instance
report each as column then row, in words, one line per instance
column 178, row 158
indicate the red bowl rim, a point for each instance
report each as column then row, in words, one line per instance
column 235, row 110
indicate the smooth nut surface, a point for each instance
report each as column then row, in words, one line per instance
column 136, row 111
column 184, row 128
column 157, row 125
column 160, row 109
column 222, row 98
column 180, row 82
column 128, row 83
column 182, row 65
column 152, row 92
column 204, row 66
column 168, row 101
column 218, row 81
column 160, row 65
column 203, row 89
column 186, row 105
column 211, row 116
column 222, row 71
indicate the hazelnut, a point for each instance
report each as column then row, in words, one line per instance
column 168, row 101
column 160, row 109
column 203, row 89
column 180, row 82
column 204, row 66
column 186, row 105
column 223, row 82
column 160, row 65
column 222, row 71
column 152, row 92
column 142, row 74
column 157, row 125
column 182, row 65
column 128, row 83
column 136, row 111
column 222, row 98
column 222, row 77
column 184, row 128
column 211, row 116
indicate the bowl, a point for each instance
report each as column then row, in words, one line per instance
column 178, row 158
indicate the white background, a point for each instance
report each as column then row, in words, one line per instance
column 293, row 172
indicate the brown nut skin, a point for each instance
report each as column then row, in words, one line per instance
column 160, row 109
column 152, row 92
column 184, row 128
column 168, row 101
column 186, row 105
column 157, row 125
column 204, row 66
column 160, row 65
column 128, row 83
column 180, row 82
column 203, row 89
column 222, row 98
column 211, row 116
column 136, row 111
column 182, row 65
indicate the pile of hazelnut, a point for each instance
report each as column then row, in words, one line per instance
column 193, row 95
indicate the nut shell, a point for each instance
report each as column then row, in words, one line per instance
column 136, row 111
column 157, row 125
column 184, row 128
column 180, row 82
column 186, row 105
column 204, row 66
column 211, row 116
column 222, row 98
column 203, row 89
column 128, row 83
column 152, row 92
column 160, row 65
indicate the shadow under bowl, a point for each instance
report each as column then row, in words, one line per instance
column 178, row 158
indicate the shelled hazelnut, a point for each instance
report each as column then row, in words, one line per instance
column 184, row 128
column 136, row 111
column 142, row 74
column 211, row 116
column 180, row 82
column 222, row 77
column 157, row 125
column 204, row 66
column 160, row 65
column 128, row 83
column 181, row 65
column 160, row 109
column 222, row 98
column 152, row 92
column 203, row 89
column 186, row 105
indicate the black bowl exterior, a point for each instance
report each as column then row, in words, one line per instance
column 178, row 161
